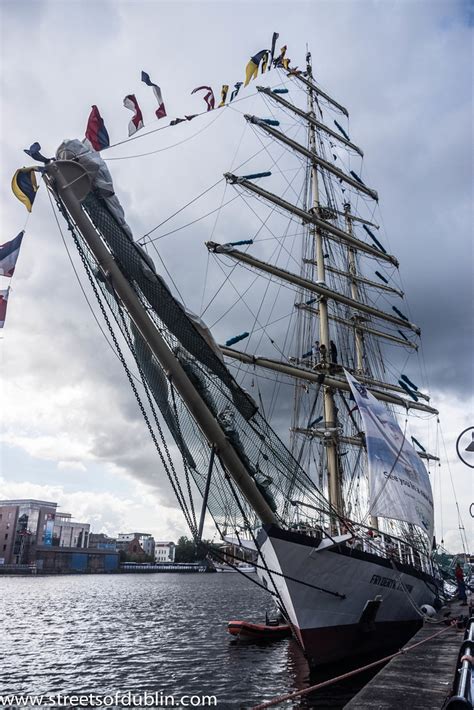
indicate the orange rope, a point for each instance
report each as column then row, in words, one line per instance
column 312, row 688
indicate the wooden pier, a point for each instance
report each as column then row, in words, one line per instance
column 420, row 679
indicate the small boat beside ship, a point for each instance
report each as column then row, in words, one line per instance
column 249, row 631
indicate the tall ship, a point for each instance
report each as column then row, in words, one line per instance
column 325, row 482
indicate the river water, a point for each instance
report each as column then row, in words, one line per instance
column 104, row 634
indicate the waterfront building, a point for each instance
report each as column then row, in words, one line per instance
column 68, row 533
column 29, row 529
column 164, row 551
column 136, row 543
column 34, row 535
column 24, row 525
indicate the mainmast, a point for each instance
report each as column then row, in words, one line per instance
column 330, row 416
column 331, row 287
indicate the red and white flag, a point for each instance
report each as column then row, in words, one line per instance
column 136, row 123
column 3, row 305
column 208, row 98
column 160, row 111
column 9, row 254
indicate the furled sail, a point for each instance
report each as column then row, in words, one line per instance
column 398, row 481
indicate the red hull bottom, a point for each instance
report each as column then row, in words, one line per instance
column 324, row 645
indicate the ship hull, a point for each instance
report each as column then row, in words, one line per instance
column 342, row 602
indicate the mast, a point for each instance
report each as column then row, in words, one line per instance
column 330, row 417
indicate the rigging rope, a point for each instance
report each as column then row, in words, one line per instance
column 78, row 278
column 306, row 691
column 147, row 234
column 176, row 488
column 185, row 463
column 168, row 147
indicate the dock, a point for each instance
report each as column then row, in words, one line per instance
column 420, row 679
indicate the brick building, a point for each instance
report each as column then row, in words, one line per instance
column 136, row 544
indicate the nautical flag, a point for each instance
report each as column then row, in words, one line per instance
column 280, row 60
column 251, row 70
column 236, row 90
column 96, row 131
column 24, row 186
column 175, row 121
column 9, row 254
column 34, row 152
column 208, row 98
column 265, row 62
column 272, row 51
column 136, row 123
column 224, row 90
column 3, row 305
column 160, row 111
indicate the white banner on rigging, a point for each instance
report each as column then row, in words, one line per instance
column 398, row 481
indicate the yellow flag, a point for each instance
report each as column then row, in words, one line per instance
column 251, row 70
column 24, row 186
column 224, row 90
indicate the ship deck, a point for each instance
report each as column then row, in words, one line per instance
column 420, row 679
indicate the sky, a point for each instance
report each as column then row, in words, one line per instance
column 71, row 430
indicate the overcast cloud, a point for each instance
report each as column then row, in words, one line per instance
column 71, row 428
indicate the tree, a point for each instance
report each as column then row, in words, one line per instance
column 188, row 551
column 185, row 550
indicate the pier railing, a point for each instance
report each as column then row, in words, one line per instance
column 19, row 569
column 164, row 567
column 462, row 686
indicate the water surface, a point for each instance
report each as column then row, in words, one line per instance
column 156, row 632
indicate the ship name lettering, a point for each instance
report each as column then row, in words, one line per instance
column 390, row 583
